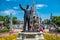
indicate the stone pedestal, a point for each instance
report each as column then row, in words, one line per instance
column 30, row 36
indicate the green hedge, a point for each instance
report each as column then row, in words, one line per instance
column 58, row 30
column 8, row 27
column 4, row 30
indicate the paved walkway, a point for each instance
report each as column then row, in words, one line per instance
column 16, row 31
column 5, row 34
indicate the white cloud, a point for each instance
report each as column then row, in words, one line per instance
column 41, row 6
column 7, row 12
column 15, row 7
column 11, row 0
column 8, row 0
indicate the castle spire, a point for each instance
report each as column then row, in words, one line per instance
column 33, row 8
column 51, row 17
column 32, row 3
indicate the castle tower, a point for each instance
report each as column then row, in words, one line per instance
column 33, row 12
column 33, row 8
column 51, row 17
column 40, row 20
column 51, row 20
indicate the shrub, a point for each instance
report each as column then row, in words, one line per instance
column 58, row 30
column 8, row 27
column 4, row 30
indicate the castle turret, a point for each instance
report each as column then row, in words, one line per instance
column 33, row 8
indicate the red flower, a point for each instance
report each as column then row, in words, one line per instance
column 41, row 29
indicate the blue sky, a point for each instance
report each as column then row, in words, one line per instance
column 43, row 8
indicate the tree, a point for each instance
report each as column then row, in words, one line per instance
column 47, row 21
column 6, row 20
column 56, row 20
column 14, row 20
column 1, row 18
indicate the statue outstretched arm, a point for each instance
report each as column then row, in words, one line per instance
column 21, row 7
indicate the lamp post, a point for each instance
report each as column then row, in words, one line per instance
column 10, row 21
column 56, row 29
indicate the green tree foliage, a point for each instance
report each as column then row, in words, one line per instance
column 56, row 20
column 14, row 19
column 47, row 21
column 1, row 18
column 6, row 20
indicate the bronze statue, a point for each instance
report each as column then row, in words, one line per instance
column 26, row 17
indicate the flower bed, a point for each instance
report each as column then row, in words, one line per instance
column 10, row 37
column 51, row 37
column 46, row 36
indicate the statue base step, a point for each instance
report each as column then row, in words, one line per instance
column 30, row 36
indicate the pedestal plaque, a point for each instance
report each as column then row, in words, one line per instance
column 30, row 36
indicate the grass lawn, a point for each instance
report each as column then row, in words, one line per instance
column 46, row 36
